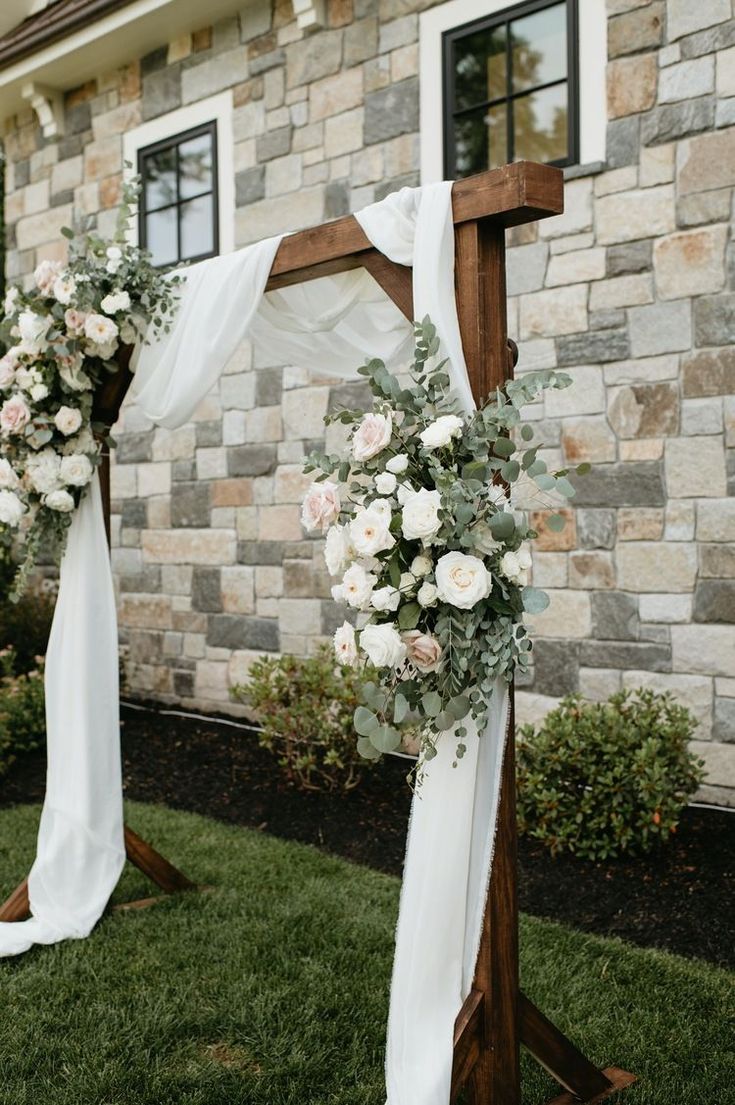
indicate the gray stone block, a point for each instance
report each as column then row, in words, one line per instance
column 717, row 561
column 60, row 198
column 719, row 37
column 332, row 617
column 275, row 143
column 701, row 208
column 22, row 168
column 183, row 470
column 714, row 601
column 134, row 448
column 235, row 632
column 250, row 186
column 354, row 397
column 251, row 460
column 615, row 616
column 660, row 328
column 147, row 581
column 392, row 111
column 596, row 529
column 556, row 667
column 606, row 320
column 361, row 41
column 161, row 92
column 629, row 257
column 671, row 121
column 134, row 514
column 155, row 60
column 593, row 347
column 724, row 723
column 206, row 589
column 626, row 655
column 632, row 483
column 270, row 60
column 317, row 57
column 385, row 187
column 262, row 552
column 208, row 434
column 623, row 142
column 146, row 647
column 714, row 320
column 190, row 505
column 268, row 387
column 184, row 684
column 78, row 118
column 336, row 199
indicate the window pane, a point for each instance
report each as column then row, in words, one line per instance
column 470, row 143
column 161, row 236
column 159, row 175
column 197, row 227
column 496, row 121
column 540, row 121
column 480, row 68
column 195, row 166
column 539, row 47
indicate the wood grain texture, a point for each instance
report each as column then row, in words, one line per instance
column 617, row 1080
column 152, row 864
column 558, row 1055
column 17, row 906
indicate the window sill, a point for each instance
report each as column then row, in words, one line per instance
column 592, row 168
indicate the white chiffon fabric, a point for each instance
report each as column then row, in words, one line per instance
column 328, row 325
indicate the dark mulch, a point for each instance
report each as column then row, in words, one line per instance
column 679, row 898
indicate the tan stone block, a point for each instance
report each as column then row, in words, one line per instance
column 278, row 215
column 117, row 121
column 232, row 493
column 726, row 72
column 238, row 589
column 554, row 311
column 651, row 448
column 239, row 665
column 211, row 679
column 211, row 463
column 550, row 540
column 706, row 162
column 628, row 216
column 159, row 512
column 708, row 372
column 401, row 155
column 695, row 466
column 586, row 395
column 531, row 709
column 577, row 215
column 716, row 520
column 587, row 439
column 264, row 424
column 665, row 609
column 36, row 197
column 45, row 226
column 616, row 180
column 692, row 691
column 725, row 688
column 246, row 523
column 291, row 483
column 283, row 174
column 404, row 62
column 642, row 370
column 189, row 546
column 631, row 85
column 103, row 158
column 176, row 579
column 597, row 684
column 576, row 267
column 549, row 569
column 178, row 49
column 343, row 133
column 123, row 481
column 268, row 581
column 656, row 566
column 174, row 444
column 87, row 198
column 591, row 570
column 621, row 291
column 691, row 262
column 195, row 645
column 680, row 520
column 644, row 410
column 705, row 649
column 657, row 165
column 640, row 524
column 303, row 412
column 279, row 523
column 145, row 611
column 303, row 616
column 568, row 615
column 154, row 478
column 333, row 95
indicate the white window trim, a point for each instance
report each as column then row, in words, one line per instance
column 215, row 109
column 592, row 91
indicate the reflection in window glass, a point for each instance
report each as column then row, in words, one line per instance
column 178, row 218
column 510, row 94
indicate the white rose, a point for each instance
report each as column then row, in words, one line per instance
column 358, row 586
column 441, row 431
column 11, row 508
column 59, row 500
column 33, row 329
column 421, row 566
column 100, row 330
column 383, row 645
column 11, row 300
column 7, row 370
column 74, row 320
column 383, row 507
column 38, row 393
column 76, row 470
column 70, row 370
column 114, row 302
column 338, row 551
column 483, row 539
column 14, row 415
column 404, row 493
column 398, row 463
column 8, row 477
column 68, row 420
column 427, row 595
column 385, row 598
column 64, row 288
column 321, row 506
column 345, row 645
column 372, row 436
column 84, row 442
column 421, row 515
column 385, row 483
column 369, row 533
column 43, row 471
column 515, row 565
column 407, row 581
column 114, row 259
column 462, row 580
column 338, row 592
column 26, row 377
column 45, row 276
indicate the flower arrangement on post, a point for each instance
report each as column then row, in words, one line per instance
column 426, row 548
column 63, row 339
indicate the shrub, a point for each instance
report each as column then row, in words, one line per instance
column 22, row 713
column 25, row 625
column 305, row 708
column 607, row 779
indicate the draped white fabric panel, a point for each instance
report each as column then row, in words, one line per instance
column 328, row 325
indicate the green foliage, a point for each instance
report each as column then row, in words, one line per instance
column 22, row 713
column 24, row 627
column 305, row 708
column 606, row 779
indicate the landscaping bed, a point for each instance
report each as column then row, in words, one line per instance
column 676, row 898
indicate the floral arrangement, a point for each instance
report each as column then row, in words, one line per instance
column 426, row 548
column 63, row 339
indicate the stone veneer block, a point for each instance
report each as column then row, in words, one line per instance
column 568, row 615
column 656, row 566
column 627, row 216
column 685, row 17
column 695, row 467
column 707, row 162
column 691, row 262
column 692, row 691
column 704, row 649
column 184, row 546
column 631, row 85
column 660, row 328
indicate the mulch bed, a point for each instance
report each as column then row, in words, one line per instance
column 678, row 898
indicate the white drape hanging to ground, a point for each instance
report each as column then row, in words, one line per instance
column 80, row 852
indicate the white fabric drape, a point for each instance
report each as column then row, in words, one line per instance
column 328, row 325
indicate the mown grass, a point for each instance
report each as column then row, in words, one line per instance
column 272, row 988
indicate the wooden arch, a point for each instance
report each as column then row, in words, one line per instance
column 496, row 1017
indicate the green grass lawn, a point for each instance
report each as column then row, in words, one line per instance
column 272, row 988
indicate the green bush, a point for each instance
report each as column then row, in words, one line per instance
column 25, row 625
column 305, row 709
column 606, row 779
column 22, row 714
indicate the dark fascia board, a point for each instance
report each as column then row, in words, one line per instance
column 52, row 24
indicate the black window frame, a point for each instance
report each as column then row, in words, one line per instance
column 174, row 141
column 498, row 19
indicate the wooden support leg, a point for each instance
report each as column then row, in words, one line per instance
column 16, row 907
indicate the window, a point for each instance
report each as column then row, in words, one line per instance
column 178, row 205
column 510, row 88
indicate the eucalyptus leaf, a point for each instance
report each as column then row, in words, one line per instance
column 365, row 721
column 385, row 738
column 534, row 600
column 432, row 703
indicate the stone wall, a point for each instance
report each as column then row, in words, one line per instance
column 632, row 291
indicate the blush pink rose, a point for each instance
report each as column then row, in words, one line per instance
column 424, row 651
column 321, row 506
column 372, row 436
column 14, row 415
column 45, row 276
column 7, row 371
column 75, row 320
